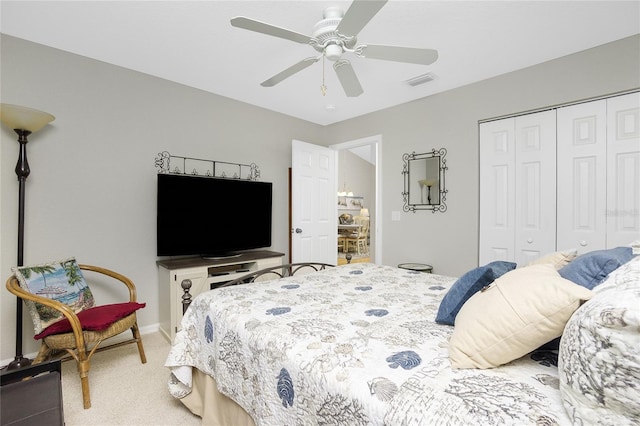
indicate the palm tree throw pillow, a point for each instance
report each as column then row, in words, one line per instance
column 62, row 281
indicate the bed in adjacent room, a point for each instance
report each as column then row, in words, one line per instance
column 357, row 344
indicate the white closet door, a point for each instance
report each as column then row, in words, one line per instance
column 497, row 191
column 582, row 150
column 535, row 163
column 623, row 170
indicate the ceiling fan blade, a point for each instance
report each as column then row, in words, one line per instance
column 289, row 71
column 272, row 30
column 412, row 55
column 358, row 15
column 348, row 78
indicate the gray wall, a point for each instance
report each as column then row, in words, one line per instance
column 91, row 192
column 449, row 241
column 92, row 188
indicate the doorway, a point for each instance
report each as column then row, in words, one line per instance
column 367, row 149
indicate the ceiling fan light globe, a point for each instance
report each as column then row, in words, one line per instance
column 333, row 52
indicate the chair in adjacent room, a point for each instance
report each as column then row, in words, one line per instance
column 65, row 316
column 359, row 239
column 346, row 220
column 342, row 242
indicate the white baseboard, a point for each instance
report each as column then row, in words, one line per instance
column 148, row 329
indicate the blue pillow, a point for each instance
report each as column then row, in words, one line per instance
column 592, row 268
column 500, row 268
column 468, row 285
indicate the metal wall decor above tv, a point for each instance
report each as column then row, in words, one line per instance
column 175, row 164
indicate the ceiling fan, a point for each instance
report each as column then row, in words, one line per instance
column 334, row 35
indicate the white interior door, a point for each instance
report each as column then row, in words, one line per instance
column 497, row 191
column 535, row 186
column 313, row 192
column 518, row 188
column 582, row 152
column 623, row 170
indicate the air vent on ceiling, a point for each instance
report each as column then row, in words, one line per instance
column 421, row 79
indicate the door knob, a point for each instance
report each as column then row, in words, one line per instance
column 298, row 231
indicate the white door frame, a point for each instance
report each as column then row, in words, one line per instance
column 376, row 141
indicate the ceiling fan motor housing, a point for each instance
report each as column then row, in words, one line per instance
column 325, row 37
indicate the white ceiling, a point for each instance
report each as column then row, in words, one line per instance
column 193, row 43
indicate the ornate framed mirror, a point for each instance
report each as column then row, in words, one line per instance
column 424, row 181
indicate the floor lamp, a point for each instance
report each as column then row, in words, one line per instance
column 23, row 121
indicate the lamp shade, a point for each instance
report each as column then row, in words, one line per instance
column 427, row 182
column 21, row 118
column 364, row 212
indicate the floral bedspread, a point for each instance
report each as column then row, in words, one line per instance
column 352, row 345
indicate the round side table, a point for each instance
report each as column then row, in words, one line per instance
column 418, row 267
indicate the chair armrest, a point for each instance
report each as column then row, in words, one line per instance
column 119, row 277
column 14, row 287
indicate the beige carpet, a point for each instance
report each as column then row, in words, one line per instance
column 123, row 390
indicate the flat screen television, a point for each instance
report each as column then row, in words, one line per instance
column 212, row 217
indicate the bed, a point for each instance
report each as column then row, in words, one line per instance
column 355, row 345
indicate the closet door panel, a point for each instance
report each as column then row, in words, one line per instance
column 581, row 147
column 497, row 190
column 535, row 162
column 623, row 170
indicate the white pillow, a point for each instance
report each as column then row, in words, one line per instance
column 557, row 259
column 517, row 313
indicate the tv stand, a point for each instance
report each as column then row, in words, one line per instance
column 222, row 256
column 203, row 274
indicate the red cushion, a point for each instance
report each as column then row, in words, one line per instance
column 96, row 319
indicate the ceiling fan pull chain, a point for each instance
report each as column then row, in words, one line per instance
column 323, row 88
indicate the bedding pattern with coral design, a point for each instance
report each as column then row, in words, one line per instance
column 357, row 345
column 600, row 383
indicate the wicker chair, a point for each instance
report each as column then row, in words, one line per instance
column 81, row 343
